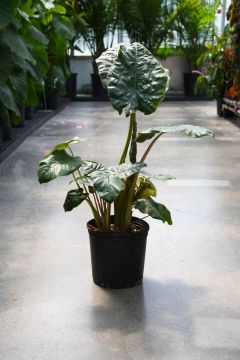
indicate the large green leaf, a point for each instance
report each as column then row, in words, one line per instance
column 135, row 81
column 6, row 12
column 19, row 84
column 17, row 45
column 189, row 130
column 6, row 63
column 125, row 170
column 64, row 26
column 107, row 186
column 7, row 99
column 155, row 210
column 37, row 35
column 74, row 198
column 89, row 167
column 58, row 163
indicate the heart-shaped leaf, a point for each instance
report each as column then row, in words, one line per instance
column 189, row 130
column 107, row 186
column 135, row 80
column 125, row 170
column 74, row 198
column 58, row 163
column 155, row 210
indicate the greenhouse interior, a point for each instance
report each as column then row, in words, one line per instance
column 119, row 164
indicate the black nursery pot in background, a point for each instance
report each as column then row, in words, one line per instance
column 118, row 258
column 189, row 83
column 71, row 86
column 98, row 90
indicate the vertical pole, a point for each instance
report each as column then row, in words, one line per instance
column 223, row 20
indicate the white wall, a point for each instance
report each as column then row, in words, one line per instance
column 177, row 66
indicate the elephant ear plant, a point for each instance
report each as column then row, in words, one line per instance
column 135, row 81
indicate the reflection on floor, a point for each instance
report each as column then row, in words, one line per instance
column 188, row 307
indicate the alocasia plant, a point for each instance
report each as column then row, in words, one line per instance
column 135, row 81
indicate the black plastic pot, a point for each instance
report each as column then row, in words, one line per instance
column 189, row 83
column 71, row 86
column 53, row 100
column 98, row 90
column 118, row 258
column 29, row 113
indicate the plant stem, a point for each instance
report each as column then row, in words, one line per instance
column 149, row 147
column 129, row 136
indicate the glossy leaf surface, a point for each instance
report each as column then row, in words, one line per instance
column 125, row 170
column 155, row 210
column 135, row 80
column 56, row 164
column 107, row 186
column 189, row 130
column 73, row 199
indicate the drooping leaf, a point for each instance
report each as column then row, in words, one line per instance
column 145, row 189
column 64, row 27
column 58, row 163
column 157, row 176
column 125, row 170
column 17, row 44
column 189, row 130
column 6, row 12
column 65, row 144
column 74, row 198
column 19, row 84
column 38, row 35
column 155, row 210
column 135, row 81
column 6, row 63
column 7, row 99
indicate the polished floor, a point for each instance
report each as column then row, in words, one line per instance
column 188, row 307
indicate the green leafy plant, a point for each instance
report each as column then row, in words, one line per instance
column 217, row 73
column 98, row 29
column 135, row 81
column 195, row 25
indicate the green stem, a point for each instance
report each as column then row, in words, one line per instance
column 149, row 148
column 129, row 136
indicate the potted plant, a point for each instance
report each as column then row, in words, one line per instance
column 195, row 25
column 135, row 81
column 216, row 75
column 98, row 32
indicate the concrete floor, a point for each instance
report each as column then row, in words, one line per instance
column 188, row 307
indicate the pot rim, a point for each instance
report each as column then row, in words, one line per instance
column 142, row 223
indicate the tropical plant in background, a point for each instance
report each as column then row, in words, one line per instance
column 195, row 25
column 59, row 31
column 135, row 81
column 23, row 61
column 148, row 22
column 98, row 29
column 216, row 75
column 33, row 42
column 234, row 20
